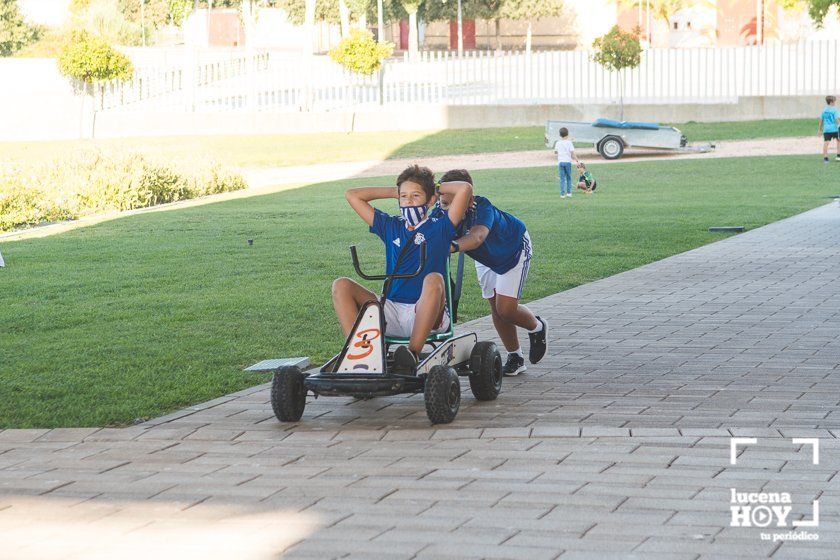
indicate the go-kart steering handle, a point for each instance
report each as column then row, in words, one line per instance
column 389, row 276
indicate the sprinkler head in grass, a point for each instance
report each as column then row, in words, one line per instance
column 735, row 229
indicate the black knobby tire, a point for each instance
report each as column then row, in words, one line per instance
column 288, row 393
column 611, row 147
column 485, row 371
column 442, row 393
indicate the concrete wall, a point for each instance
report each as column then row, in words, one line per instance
column 437, row 117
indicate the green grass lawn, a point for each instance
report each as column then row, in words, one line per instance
column 144, row 314
column 305, row 149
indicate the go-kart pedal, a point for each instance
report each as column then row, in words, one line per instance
column 404, row 361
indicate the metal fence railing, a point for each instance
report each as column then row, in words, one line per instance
column 268, row 82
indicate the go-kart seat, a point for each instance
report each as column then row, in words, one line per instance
column 434, row 336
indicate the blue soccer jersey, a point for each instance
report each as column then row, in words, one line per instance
column 503, row 245
column 829, row 119
column 438, row 234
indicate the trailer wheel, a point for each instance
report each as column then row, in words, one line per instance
column 611, row 147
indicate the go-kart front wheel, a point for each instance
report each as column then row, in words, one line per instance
column 485, row 371
column 288, row 393
column 442, row 393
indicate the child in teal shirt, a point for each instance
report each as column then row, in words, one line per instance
column 830, row 126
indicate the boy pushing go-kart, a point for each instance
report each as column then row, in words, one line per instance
column 414, row 306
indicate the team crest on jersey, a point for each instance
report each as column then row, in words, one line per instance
column 418, row 239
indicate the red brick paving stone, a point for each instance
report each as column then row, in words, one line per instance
column 262, row 436
column 68, row 434
column 408, row 435
column 20, row 436
column 165, row 433
column 309, row 437
column 506, row 433
column 116, row 434
column 359, row 435
column 456, row 433
column 654, row 432
column 212, row 434
column 490, row 552
column 539, row 431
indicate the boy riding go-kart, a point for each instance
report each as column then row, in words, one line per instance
column 386, row 336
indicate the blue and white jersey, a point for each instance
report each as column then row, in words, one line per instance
column 438, row 234
column 503, row 245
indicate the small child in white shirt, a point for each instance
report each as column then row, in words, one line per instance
column 565, row 151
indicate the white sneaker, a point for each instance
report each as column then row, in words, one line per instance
column 562, row 196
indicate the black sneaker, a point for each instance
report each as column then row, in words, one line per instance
column 404, row 361
column 514, row 365
column 537, row 343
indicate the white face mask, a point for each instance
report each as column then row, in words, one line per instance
column 413, row 214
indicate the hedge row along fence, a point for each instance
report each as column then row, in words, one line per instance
column 93, row 182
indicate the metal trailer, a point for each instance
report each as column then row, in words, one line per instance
column 611, row 137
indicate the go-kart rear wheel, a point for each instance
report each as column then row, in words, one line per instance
column 442, row 394
column 288, row 393
column 485, row 371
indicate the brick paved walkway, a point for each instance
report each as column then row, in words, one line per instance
column 617, row 446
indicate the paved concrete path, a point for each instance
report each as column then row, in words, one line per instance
column 263, row 177
column 616, row 446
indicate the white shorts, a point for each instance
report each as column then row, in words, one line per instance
column 510, row 283
column 399, row 319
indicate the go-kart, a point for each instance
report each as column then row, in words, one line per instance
column 364, row 367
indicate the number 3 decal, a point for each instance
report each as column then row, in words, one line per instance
column 364, row 344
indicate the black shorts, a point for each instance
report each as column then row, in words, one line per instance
column 829, row 136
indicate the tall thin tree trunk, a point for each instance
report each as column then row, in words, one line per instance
column 82, row 98
column 498, row 35
column 380, row 22
column 412, row 34
column 621, row 93
column 344, row 14
column 309, row 50
column 528, row 40
column 309, row 24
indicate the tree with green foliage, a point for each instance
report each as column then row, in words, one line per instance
column 489, row 10
column 156, row 13
column 617, row 51
column 179, row 10
column 90, row 62
column 818, row 9
column 530, row 11
column 325, row 10
column 15, row 33
column 360, row 53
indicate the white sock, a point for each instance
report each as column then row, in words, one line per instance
column 538, row 328
column 517, row 353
